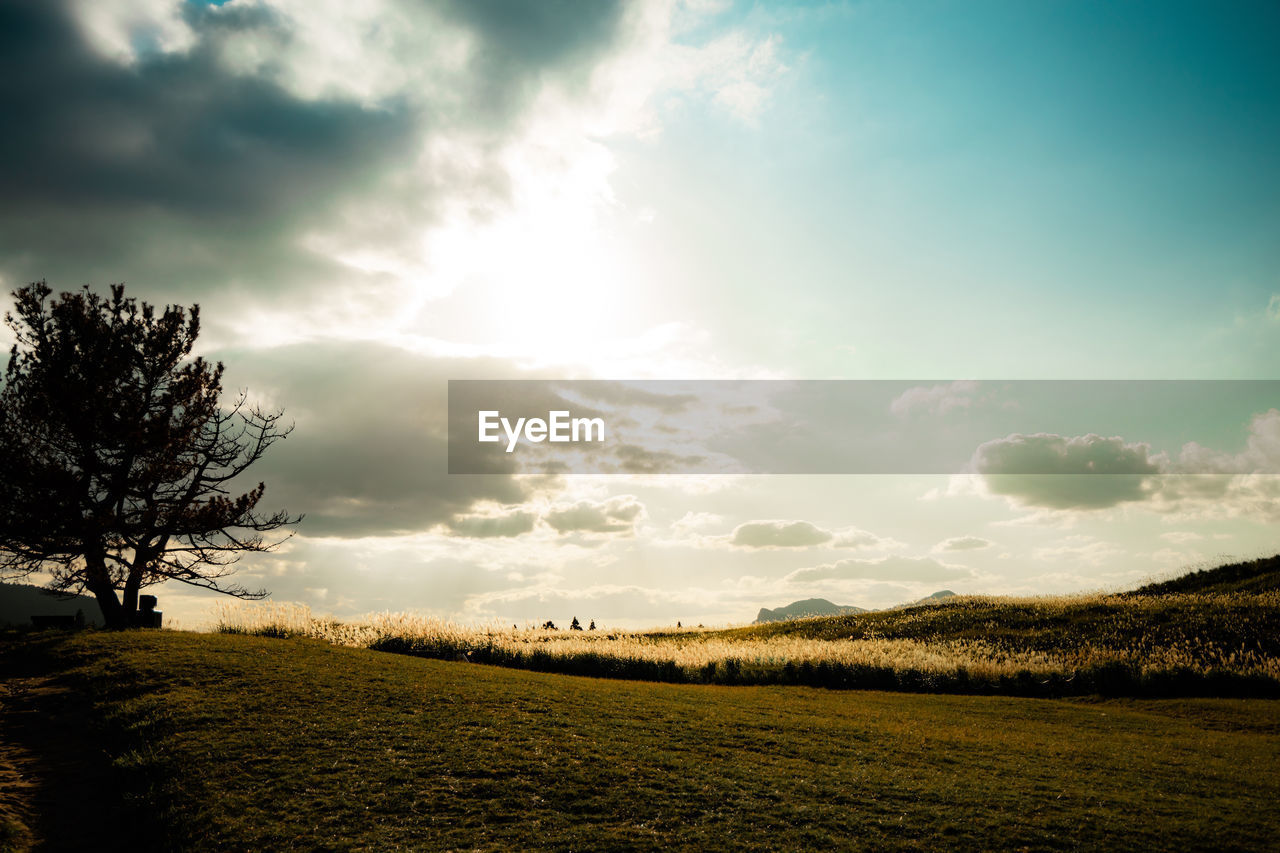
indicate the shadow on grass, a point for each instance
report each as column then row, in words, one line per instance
column 65, row 793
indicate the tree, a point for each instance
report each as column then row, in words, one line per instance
column 575, row 625
column 117, row 455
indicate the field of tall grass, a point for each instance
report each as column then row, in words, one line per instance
column 1172, row 644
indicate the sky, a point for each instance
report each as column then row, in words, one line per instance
column 371, row 199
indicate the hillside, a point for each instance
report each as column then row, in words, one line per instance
column 940, row 595
column 1172, row 644
column 217, row 742
column 19, row 602
column 1231, row 606
column 1253, row 576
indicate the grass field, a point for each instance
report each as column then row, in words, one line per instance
column 230, row 742
column 1211, row 633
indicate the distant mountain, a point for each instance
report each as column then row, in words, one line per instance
column 19, row 602
column 940, row 595
column 822, row 607
column 808, row 607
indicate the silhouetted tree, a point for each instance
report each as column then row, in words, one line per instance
column 575, row 625
column 117, row 457
column 593, row 625
column 549, row 626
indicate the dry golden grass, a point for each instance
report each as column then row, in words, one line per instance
column 966, row 643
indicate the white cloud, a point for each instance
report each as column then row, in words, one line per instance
column 857, row 538
column 905, row 569
column 1078, row 549
column 617, row 515
column 779, row 534
column 963, row 543
column 1179, row 537
column 492, row 525
column 123, row 30
column 1260, row 456
column 1173, row 556
column 934, row 399
column 693, row 521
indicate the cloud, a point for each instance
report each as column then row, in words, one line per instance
column 618, row 514
column 337, row 184
column 1172, row 556
column 1090, row 472
column 774, row 534
column 1261, row 454
column 635, row 459
column 1205, row 483
column 308, row 169
column 853, row 537
column 368, row 453
column 963, row 543
column 693, row 521
column 779, row 534
column 500, row 525
column 909, row 569
column 1077, row 472
column 1078, row 549
column 164, row 169
column 934, row 399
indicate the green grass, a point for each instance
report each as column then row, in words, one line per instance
column 231, row 742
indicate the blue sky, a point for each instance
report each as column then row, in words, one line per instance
column 370, row 199
column 1086, row 189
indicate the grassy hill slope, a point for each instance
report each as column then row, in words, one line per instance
column 226, row 742
column 1252, row 576
column 1204, row 643
column 1235, row 606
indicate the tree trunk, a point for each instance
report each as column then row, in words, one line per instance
column 98, row 580
column 113, row 613
column 131, row 586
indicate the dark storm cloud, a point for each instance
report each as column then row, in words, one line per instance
column 177, row 172
column 522, row 38
column 196, row 181
column 367, row 456
column 178, row 133
column 173, row 171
